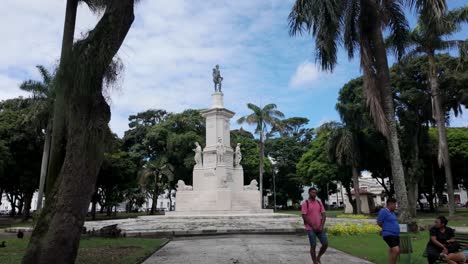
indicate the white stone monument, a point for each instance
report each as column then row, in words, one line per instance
column 218, row 182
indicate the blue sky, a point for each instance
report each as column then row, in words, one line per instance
column 172, row 47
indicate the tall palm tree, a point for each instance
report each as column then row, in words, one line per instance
column 358, row 24
column 154, row 177
column 343, row 147
column 262, row 118
column 429, row 36
column 43, row 94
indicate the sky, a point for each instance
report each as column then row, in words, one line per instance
column 172, row 47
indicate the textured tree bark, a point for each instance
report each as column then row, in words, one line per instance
column 383, row 80
column 44, row 164
column 439, row 115
column 357, row 190
column 58, row 144
column 56, row 236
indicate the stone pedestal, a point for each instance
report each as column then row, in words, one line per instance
column 218, row 185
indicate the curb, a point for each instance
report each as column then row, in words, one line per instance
column 156, row 250
column 212, row 232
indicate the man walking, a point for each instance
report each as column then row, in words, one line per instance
column 388, row 221
column 314, row 218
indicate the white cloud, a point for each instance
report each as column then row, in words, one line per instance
column 169, row 53
column 307, row 74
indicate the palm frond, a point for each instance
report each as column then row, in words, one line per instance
column 322, row 19
column 351, row 27
column 395, row 19
column 45, row 74
column 458, row 15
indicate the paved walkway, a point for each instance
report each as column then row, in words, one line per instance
column 244, row 249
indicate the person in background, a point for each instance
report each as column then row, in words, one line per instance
column 388, row 221
column 314, row 218
column 441, row 237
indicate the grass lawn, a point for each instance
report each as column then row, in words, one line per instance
column 371, row 247
column 93, row 250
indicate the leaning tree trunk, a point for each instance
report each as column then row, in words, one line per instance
column 56, row 237
column 357, row 190
column 374, row 59
column 260, row 167
column 59, row 128
column 439, row 115
column 44, row 164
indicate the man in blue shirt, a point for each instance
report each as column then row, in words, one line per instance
column 388, row 221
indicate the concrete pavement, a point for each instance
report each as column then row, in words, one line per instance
column 244, row 249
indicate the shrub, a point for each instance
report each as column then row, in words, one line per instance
column 349, row 229
column 351, row 216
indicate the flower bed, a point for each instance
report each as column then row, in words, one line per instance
column 349, row 229
column 352, row 216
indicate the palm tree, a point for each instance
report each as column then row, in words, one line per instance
column 343, row 147
column 429, row 36
column 359, row 25
column 154, row 177
column 43, row 94
column 269, row 115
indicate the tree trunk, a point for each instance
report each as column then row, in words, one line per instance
column 350, row 199
column 56, row 236
column 12, row 199
column 381, row 78
column 260, row 166
column 154, row 204
column 412, row 195
column 357, row 190
column 27, row 205
column 58, row 143
column 93, row 210
column 21, row 204
column 439, row 115
column 44, row 164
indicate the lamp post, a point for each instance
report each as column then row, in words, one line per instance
column 274, row 189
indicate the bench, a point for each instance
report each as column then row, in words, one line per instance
column 462, row 238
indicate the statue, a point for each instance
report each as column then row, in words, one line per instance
column 217, row 79
column 220, row 151
column 252, row 186
column 182, row 187
column 238, row 155
column 198, row 155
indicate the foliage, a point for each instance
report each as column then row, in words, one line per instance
column 22, row 145
column 350, row 229
column 353, row 216
column 315, row 166
column 285, row 150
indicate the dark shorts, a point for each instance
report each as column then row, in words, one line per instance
column 322, row 236
column 392, row 241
